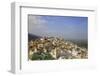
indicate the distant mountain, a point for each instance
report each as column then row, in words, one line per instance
column 32, row 37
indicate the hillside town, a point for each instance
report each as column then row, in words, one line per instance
column 53, row 48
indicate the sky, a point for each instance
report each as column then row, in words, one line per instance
column 67, row 27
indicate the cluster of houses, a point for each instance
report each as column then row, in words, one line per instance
column 58, row 48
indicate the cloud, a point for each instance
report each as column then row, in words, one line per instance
column 36, row 25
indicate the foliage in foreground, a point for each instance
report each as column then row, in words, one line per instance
column 41, row 56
